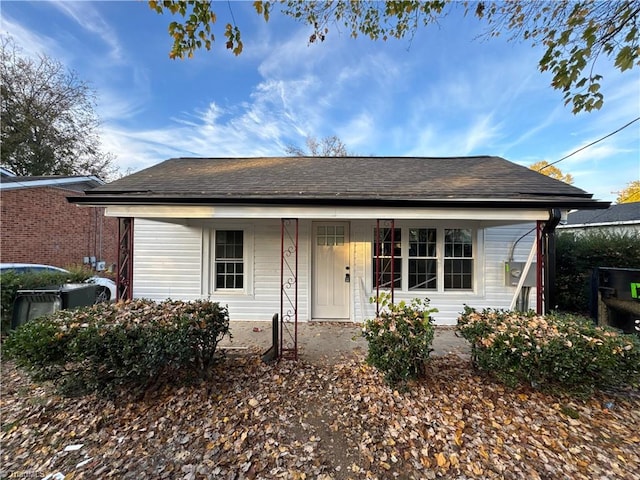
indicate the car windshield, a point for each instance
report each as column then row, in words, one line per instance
column 30, row 269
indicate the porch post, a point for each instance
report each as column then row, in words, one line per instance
column 379, row 241
column 393, row 260
column 289, row 288
column 378, row 274
column 124, row 277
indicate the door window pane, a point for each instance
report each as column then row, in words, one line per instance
column 330, row 236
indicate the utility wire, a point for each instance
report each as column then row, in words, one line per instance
column 592, row 143
column 233, row 19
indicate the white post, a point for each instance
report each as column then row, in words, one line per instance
column 525, row 271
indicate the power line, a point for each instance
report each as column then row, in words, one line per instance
column 592, row 143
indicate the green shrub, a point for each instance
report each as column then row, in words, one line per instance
column 106, row 345
column 400, row 339
column 576, row 257
column 556, row 352
column 11, row 282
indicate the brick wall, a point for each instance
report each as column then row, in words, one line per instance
column 38, row 225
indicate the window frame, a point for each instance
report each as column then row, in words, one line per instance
column 405, row 229
column 461, row 258
column 209, row 287
column 426, row 258
column 220, row 260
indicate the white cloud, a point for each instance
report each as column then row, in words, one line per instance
column 358, row 132
column 592, row 154
column 480, row 134
column 113, row 107
column 469, row 138
column 88, row 17
column 31, row 43
column 530, row 132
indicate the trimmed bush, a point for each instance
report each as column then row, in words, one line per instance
column 11, row 282
column 557, row 352
column 99, row 347
column 400, row 339
column 578, row 254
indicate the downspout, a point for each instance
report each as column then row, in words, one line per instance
column 539, row 269
column 549, row 237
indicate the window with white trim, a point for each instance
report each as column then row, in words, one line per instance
column 229, row 259
column 458, row 259
column 424, row 258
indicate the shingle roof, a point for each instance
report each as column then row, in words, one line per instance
column 623, row 212
column 339, row 179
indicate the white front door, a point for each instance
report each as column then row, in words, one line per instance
column 331, row 278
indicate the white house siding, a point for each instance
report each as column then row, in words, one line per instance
column 266, row 277
column 166, row 260
column 171, row 260
column 499, row 242
column 493, row 249
column 265, row 299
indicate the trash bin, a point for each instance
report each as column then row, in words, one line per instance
column 618, row 297
column 30, row 304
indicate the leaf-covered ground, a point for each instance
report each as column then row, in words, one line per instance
column 305, row 420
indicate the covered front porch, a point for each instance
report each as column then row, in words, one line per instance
column 326, row 265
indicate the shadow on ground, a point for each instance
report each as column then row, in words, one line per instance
column 329, row 342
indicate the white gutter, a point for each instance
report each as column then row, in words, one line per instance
column 55, row 182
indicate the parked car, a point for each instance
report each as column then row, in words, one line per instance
column 107, row 288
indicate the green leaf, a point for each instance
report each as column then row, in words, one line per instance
column 625, row 58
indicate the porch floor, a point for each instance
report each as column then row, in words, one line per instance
column 329, row 342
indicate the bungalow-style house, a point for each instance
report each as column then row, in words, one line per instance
column 315, row 237
column 620, row 218
column 39, row 225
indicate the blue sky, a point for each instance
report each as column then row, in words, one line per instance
column 446, row 92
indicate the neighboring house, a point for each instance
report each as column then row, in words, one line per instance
column 39, row 225
column 620, row 218
column 5, row 172
column 299, row 235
